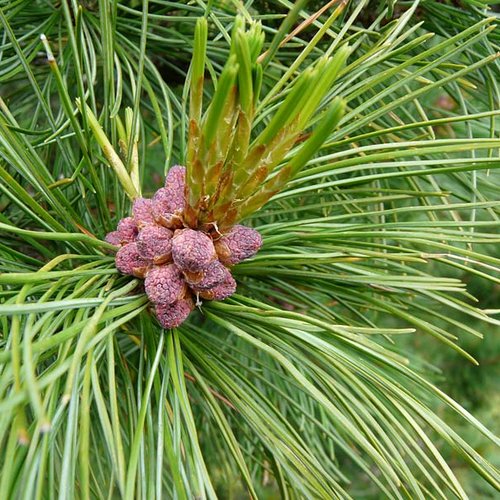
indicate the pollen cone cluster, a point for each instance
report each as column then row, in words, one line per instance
column 180, row 266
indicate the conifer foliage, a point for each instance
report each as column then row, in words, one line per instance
column 234, row 235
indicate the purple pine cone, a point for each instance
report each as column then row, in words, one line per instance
column 163, row 212
column 168, row 202
column 173, row 315
column 192, row 250
column 175, row 182
column 115, row 238
column 164, row 284
column 128, row 227
column 239, row 244
column 142, row 211
column 155, row 243
column 126, row 232
column 213, row 275
column 221, row 291
column 129, row 261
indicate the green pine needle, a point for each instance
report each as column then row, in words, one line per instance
column 357, row 358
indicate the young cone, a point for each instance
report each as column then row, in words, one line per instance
column 164, row 284
column 192, row 250
column 130, row 261
column 155, row 243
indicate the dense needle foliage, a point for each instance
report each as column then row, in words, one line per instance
column 379, row 213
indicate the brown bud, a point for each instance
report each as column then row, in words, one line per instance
column 193, row 277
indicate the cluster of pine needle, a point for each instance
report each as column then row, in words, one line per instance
column 359, row 139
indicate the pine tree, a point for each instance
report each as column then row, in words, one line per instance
column 360, row 139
